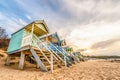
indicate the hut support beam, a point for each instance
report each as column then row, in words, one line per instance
column 37, row 66
column 22, row 60
column 65, row 61
column 51, row 56
column 32, row 30
column 8, row 60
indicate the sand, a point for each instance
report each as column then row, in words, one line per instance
column 89, row 70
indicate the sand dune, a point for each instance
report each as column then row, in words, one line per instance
column 90, row 70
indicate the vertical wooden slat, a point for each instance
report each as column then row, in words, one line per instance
column 22, row 60
column 8, row 60
column 32, row 30
column 37, row 66
column 51, row 56
column 65, row 61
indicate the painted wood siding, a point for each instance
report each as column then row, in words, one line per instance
column 15, row 42
column 27, row 39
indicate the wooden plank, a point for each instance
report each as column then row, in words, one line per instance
column 39, row 62
column 8, row 60
column 32, row 30
column 22, row 60
column 51, row 63
column 37, row 66
column 65, row 61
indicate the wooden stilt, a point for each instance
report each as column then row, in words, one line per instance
column 37, row 66
column 8, row 60
column 51, row 63
column 22, row 60
column 65, row 61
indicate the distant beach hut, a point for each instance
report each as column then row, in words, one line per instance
column 56, row 44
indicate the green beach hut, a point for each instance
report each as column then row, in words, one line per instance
column 23, row 37
column 26, row 43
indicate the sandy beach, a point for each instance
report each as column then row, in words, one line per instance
column 89, row 70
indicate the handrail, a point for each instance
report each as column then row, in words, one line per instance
column 45, row 46
column 64, row 61
column 54, row 51
column 64, row 50
column 56, row 55
column 42, row 52
column 62, row 54
column 59, row 51
column 49, row 51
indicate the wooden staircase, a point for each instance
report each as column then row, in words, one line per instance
column 56, row 63
column 45, row 58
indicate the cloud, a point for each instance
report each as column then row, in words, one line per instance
column 28, row 17
column 22, row 22
column 72, row 14
column 82, row 23
column 104, row 44
column 11, row 24
column 92, row 10
column 86, row 35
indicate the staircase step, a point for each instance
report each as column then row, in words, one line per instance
column 38, row 52
column 55, row 66
column 45, row 51
column 39, row 62
column 45, row 62
column 40, row 55
column 43, row 58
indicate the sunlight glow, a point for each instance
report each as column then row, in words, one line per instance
column 88, row 51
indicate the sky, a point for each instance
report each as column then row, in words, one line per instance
column 89, row 26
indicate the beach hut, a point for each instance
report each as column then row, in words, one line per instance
column 53, row 38
column 23, row 37
column 25, row 42
column 56, row 44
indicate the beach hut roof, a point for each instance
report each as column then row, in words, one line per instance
column 38, row 29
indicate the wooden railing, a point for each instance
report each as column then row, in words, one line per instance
column 38, row 43
column 64, row 61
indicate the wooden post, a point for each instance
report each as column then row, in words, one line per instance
column 8, row 60
column 51, row 56
column 46, row 39
column 32, row 30
column 22, row 60
column 65, row 61
column 37, row 66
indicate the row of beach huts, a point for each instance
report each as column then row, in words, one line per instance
column 35, row 44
